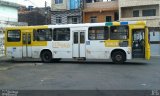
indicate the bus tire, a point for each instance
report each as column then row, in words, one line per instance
column 118, row 57
column 46, row 56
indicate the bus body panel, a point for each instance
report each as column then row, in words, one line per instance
column 14, row 52
column 96, row 50
column 75, row 47
column 147, row 45
column 62, row 49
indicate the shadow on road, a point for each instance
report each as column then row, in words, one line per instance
column 74, row 62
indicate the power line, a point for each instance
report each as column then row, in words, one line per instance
column 39, row 1
column 32, row 3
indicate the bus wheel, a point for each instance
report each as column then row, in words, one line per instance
column 46, row 56
column 118, row 57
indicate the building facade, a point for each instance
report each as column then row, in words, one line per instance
column 100, row 11
column 66, row 11
column 34, row 16
column 149, row 11
column 8, row 17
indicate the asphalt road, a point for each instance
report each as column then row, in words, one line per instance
column 73, row 75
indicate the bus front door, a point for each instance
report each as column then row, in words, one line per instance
column 26, row 47
column 138, row 43
column 79, row 44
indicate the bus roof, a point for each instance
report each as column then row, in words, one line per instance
column 116, row 23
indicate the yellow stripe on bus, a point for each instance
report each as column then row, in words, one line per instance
column 116, row 23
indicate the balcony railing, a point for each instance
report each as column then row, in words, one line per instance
column 129, row 3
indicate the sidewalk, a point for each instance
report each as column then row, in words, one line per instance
column 4, row 59
column 4, row 65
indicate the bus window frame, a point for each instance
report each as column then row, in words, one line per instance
column 53, row 33
column 107, row 35
column 127, row 35
column 35, row 38
column 19, row 35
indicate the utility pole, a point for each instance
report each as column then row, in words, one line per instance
column 46, row 13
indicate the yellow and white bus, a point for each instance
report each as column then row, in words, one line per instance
column 119, row 41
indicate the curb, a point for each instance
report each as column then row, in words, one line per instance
column 4, row 68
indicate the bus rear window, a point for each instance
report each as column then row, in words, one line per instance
column 119, row 32
column 13, row 36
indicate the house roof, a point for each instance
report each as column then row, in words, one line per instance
column 11, row 4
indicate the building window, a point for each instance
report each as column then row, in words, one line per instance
column 119, row 32
column 58, row 20
column 116, row 16
column 73, row 20
column 93, row 19
column 88, row 1
column 98, row 33
column 97, row 0
column 42, row 35
column 108, row 18
column 13, row 36
column 136, row 13
column 149, row 12
column 58, row 1
column 61, row 34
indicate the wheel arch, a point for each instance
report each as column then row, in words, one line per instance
column 116, row 50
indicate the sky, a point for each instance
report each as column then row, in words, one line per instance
column 35, row 3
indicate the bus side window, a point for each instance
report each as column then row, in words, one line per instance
column 61, row 34
column 42, row 35
column 98, row 33
column 13, row 35
column 119, row 32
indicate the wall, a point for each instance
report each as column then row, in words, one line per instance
column 128, row 11
column 100, row 9
column 126, row 3
column 155, row 43
column 101, row 16
column 110, row 5
column 126, row 8
column 8, row 13
column 64, row 15
column 59, row 7
column 14, row 1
